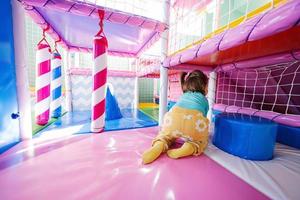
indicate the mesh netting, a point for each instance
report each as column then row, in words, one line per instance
column 193, row 20
column 273, row 88
column 138, row 7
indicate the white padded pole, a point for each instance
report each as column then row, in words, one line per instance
column 76, row 60
column 136, row 85
column 136, row 93
column 154, row 88
column 23, row 93
column 163, row 93
column 211, row 92
column 99, row 83
column 68, row 96
column 216, row 15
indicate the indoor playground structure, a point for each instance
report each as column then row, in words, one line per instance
column 85, row 84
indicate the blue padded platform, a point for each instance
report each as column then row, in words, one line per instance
column 6, row 147
column 131, row 119
column 289, row 135
column 78, row 122
column 245, row 136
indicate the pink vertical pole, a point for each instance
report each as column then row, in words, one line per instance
column 99, row 82
column 99, row 78
column 42, row 84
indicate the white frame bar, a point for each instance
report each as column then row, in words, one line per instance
column 163, row 93
column 23, row 93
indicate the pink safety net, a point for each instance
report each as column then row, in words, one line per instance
column 271, row 88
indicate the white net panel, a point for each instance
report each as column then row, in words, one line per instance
column 152, row 9
column 193, row 20
column 273, row 88
column 85, row 60
column 147, row 62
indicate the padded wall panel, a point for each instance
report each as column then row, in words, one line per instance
column 9, row 127
column 123, row 89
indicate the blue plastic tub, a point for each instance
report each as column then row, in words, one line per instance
column 248, row 137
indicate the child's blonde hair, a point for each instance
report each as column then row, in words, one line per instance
column 195, row 81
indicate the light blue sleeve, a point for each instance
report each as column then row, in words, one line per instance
column 194, row 101
column 205, row 106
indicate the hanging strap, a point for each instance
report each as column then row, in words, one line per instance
column 44, row 36
column 55, row 45
column 101, row 18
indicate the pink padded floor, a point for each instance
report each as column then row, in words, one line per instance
column 108, row 166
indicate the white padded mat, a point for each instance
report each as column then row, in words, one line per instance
column 278, row 178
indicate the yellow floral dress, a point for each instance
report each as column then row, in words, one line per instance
column 189, row 125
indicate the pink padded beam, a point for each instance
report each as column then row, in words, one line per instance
column 88, row 72
column 99, row 83
column 264, row 25
column 286, row 119
column 43, row 78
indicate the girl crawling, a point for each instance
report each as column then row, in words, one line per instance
column 186, row 120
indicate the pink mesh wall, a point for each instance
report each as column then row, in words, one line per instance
column 174, row 88
column 273, row 88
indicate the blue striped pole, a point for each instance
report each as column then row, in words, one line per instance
column 56, row 87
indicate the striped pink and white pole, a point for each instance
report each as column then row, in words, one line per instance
column 99, row 84
column 42, row 84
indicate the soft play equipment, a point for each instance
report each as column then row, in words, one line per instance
column 108, row 166
column 112, row 110
column 122, row 83
column 289, row 135
column 288, row 131
column 248, row 137
column 249, row 49
column 48, row 17
column 9, row 127
column 231, row 43
column 56, row 85
column 43, row 72
column 99, row 78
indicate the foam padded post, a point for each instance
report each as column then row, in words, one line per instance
column 112, row 110
column 24, row 104
column 56, row 85
column 99, row 82
column 42, row 84
column 163, row 95
column 136, row 92
column 68, row 88
column 211, row 92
